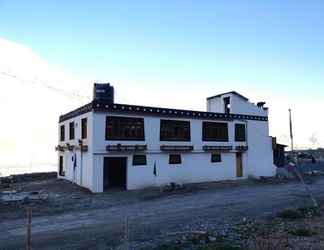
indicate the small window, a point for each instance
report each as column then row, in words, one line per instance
column 240, row 132
column 61, row 167
column 139, row 160
column 71, row 131
column 216, row 158
column 174, row 159
column 62, row 133
column 227, row 105
column 84, row 128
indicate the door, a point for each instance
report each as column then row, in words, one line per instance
column 239, row 165
column 114, row 172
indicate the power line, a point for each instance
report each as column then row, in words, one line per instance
column 48, row 86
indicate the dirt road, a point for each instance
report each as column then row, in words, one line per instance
column 157, row 218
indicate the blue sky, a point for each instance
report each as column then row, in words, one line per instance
column 277, row 43
column 166, row 53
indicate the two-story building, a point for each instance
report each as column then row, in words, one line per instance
column 104, row 144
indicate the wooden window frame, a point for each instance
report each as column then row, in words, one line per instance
column 84, row 128
column 177, row 159
column 174, row 125
column 71, row 130
column 208, row 126
column 143, row 163
column 216, row 158
column 118, row 120
column 238, row 127
column 62, row 133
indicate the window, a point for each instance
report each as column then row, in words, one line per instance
column 139, row 160
column 174, row 159
column 61, row 170
column 240, row 132
column 84, row 128
column 215, row 131
column 216, row 158
column 71, row 130
column 62, row 133
column 124, row 128
column 174, row 130
column 227, row 105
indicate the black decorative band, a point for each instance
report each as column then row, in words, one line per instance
column 164, row 112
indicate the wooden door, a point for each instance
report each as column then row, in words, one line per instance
column 239, row 165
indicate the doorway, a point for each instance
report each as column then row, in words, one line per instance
column 114, row 172
column 239, row 165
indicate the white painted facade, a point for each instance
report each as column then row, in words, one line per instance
column 196, row 165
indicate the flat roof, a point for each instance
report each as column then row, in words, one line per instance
column 226, row 93
column 155, row 111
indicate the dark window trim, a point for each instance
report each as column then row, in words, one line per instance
column 217, row 160
column 175, row 139
column 71, row 130
column 236, row 135
column 140, row 164
column 62, row 132
column 84, row 131
column 175, row 155
column 213, row 139
column 125, row 139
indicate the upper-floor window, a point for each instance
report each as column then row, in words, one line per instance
column 62, row 133
column 240, row 132
column 227, row 105
column 124, row 128
column 174, row 130
column 215, row 131
column 71, row 131
column 84, row 128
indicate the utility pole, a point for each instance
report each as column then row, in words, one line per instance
column 291, row 132
column 296, row 164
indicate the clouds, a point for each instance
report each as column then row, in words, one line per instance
column 32, row 96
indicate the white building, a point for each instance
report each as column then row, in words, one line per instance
column 103, row 144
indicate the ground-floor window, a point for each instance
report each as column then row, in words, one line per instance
column 216, row 157
column 139, row 160
column 174, row 159
column 61, row 166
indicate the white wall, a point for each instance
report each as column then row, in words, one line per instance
column 260, row 154
column 84, row 167
column 196, row 165
column 238, row 106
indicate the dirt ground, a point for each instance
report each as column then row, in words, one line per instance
column 73, row 218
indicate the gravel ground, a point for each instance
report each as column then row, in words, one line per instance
column 73, row 218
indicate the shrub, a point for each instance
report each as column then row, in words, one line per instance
column 303, row 232
column 291, row 214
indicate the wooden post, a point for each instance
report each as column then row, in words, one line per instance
column 126, row 233
column 29, row 220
